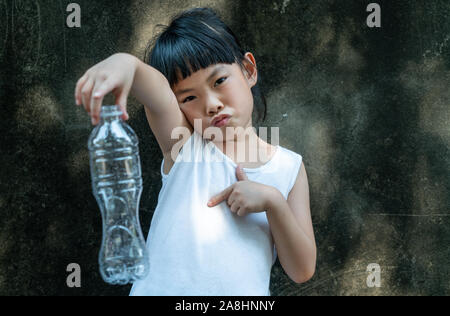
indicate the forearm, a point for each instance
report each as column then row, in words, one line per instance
column 151, row 88
column 296, row 251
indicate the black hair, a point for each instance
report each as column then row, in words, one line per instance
column 194, row 40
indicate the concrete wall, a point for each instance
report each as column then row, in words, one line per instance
column 368, row 109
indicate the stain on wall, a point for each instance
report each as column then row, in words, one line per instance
column 368, row 109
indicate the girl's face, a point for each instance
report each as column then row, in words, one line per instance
column 220, row 89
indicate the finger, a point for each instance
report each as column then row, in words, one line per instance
column 121, row 100
column 234, row 207
column 240, row 174
column 220, row 197
column 240, row 212
column 86, row 94
column 231, row 198
column 95, row 103
column 101, row 89
column 78, row 88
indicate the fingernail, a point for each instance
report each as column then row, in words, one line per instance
column 93, row 121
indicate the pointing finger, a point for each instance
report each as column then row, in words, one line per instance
column 220, row 197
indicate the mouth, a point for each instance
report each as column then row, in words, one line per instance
column 221, row 121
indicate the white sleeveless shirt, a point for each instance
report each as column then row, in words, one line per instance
column 195, row 250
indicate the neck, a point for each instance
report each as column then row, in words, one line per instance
column 243, row 146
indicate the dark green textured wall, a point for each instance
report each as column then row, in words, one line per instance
column 368, row 109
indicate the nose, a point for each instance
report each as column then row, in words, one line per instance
column 213, row 105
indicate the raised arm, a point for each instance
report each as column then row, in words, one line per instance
column 121, row 74
column 152, row 89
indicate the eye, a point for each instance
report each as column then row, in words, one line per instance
column 224, row 78
column 188, row 98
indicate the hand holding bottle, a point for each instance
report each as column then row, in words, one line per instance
column 116, row 75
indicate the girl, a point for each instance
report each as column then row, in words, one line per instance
column 221, row 220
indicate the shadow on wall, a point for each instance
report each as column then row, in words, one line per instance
column 359, row 128
column 51, row 218
column 367, row 110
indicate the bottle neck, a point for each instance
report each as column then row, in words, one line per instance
column 110, row 113
column 109, row 119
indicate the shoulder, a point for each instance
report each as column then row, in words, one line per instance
column 292, row 162
column 290, row 154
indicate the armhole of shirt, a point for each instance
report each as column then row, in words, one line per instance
column 179, row 157
column 275, row 254
column 296, row 171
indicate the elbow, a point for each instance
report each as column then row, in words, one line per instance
column 307, row 269
column 305, row 275
column 307, row 272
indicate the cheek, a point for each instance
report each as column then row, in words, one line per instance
column 188, row 111
column 192, row 115
column 241, row 99
column 240, row 87
column 188, row 114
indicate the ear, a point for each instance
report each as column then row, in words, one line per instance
column 251, row 70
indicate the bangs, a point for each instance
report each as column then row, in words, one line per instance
column 178, row 54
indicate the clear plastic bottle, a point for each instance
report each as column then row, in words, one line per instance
column 117, row 187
